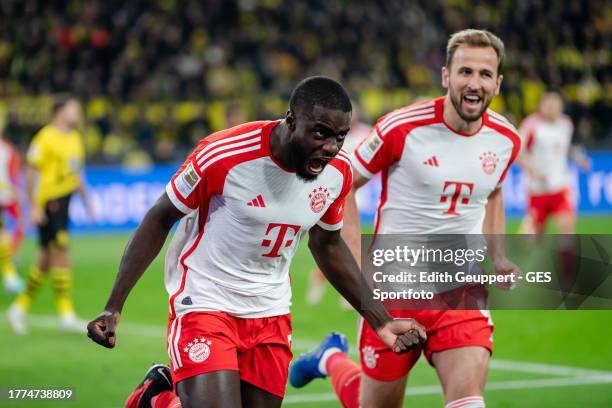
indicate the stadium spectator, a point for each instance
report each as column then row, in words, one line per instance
column 187, row 50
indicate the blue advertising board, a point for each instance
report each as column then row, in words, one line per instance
column 121, row 196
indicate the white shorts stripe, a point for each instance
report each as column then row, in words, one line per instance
column 226, row 140
column 228, row 154
column 176, row 341
column 230, row 146
column 170, row 345
column 403, row 115
column 409, row 120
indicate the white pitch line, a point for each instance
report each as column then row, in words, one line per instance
column 491, row 386
column 155, row 331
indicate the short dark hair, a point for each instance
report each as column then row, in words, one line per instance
column 60, row 100
column 475, row 38
column 322, row 91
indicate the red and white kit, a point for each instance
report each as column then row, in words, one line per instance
column 355, row 136
column 546, row 147
column 227, row 269
column 434, row 181
column 9, row 174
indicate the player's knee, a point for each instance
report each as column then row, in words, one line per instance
column 61, row 240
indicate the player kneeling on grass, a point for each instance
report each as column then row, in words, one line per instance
column 250, row 193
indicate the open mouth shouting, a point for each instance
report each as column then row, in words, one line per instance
column 315, row 165
column 472, row 101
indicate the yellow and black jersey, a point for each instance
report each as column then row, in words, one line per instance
column 59, row 157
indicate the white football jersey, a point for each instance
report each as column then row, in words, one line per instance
column 355, row 136
column 246, row 215
column 435, row 180
column 546, row 146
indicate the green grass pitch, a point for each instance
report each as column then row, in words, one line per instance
column 542, row 359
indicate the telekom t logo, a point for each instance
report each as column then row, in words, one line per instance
column 280, row 237
column 454, row 195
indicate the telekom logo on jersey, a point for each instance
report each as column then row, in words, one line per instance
column 455, row 193
column 277, row 233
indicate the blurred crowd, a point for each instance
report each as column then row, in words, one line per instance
column 155, row 76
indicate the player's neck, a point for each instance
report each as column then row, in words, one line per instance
column 61, row 126
column 279, row 147
column 455, row 122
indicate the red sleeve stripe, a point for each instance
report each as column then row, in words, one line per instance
column 228, row 146
column 394, row 115
column 360, row 167
column 408, row 120
column 223, row 141
column 408, row 114
column 505, row 124
column 174, row 197
column 498, row 116
column 216, row 158
column 510, row 133
column 343, row 154
column 330, row 227
column 344, row 159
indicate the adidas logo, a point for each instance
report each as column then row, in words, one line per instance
column 432, row 161
column 257, row 202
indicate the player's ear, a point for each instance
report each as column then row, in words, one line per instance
column 445, row 75
column 290, row 120
column 500, row 78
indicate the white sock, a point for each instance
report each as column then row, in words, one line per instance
column 467, row 402
column 326, row 354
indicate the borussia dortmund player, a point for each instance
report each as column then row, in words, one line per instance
column 55, row 162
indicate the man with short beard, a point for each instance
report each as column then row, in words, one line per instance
column 249, row 193
column 442, row 163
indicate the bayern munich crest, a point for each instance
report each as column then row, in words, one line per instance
column 369, row 356
column 489, row 162
column 318, row 198
column 198, row 349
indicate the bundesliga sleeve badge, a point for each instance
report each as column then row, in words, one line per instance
column 368, row 149
column 187, row 181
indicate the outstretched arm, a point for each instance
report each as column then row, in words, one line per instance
column 140, row 251
column 494, row 227
column 339, row 266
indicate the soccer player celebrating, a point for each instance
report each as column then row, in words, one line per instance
column 442, row 164
column 316, row 280
column 55, row 158
column 250, row 193
column 547, row 136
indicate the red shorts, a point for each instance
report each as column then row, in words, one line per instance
column 446, row 329
column 260, row 348
column 544, row 205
